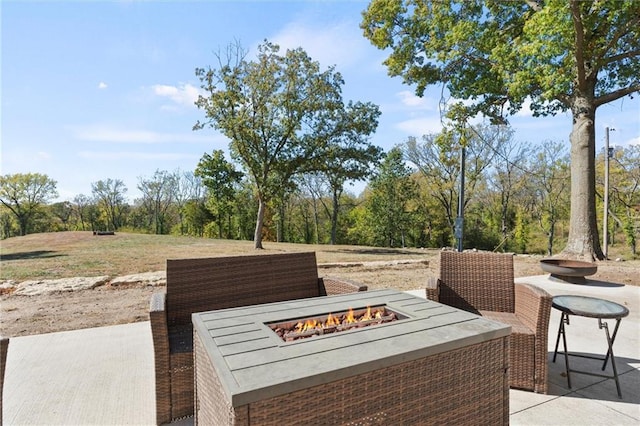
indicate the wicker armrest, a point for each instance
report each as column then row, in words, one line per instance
column 533, row 307
column 433, row 289
column 160, row 336
column 332, row 285
column 158, row 318
column 157, row 309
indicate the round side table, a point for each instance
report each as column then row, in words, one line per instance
column 590, row 307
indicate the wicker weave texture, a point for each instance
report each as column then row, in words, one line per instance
column 198, row 285
column 484, row 283
column 477, row 281
column 464, row 386
column 228, row 282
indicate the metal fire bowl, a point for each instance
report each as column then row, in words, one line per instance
column 572, row 271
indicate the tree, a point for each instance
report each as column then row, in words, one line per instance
column 269, row 109
column 506, row 180
column 24, row 194
column 157, row 198
column 549, row 185
column 109, row 195
column 350, row 155
column 221, row 178
column 391, row 190
column 625, row 192
column 82, row 206
column 437, row 157
column 560, row 55
column 63, row 211
column 187, row 187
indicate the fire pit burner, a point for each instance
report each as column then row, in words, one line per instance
column 301, row 328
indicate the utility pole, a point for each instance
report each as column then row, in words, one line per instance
column 605, row 223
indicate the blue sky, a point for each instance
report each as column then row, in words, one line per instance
column 98, row 90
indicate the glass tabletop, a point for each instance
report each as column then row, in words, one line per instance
column 589, row 307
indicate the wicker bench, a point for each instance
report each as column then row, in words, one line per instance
column 197, row 285
column 483, row 283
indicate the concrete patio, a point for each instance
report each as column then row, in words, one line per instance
column 104, row 376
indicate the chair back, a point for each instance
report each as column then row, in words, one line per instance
column 198, row 285
column 477, row 281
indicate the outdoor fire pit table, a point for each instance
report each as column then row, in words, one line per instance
column 431, row 364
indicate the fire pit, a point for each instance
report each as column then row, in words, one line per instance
column 572, row 271
column 431, row 364
column 302, row 328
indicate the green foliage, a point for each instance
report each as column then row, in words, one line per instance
column 500, row 54
column 110, row 199
column 522, row 231
column 388, row 205
column 197, row 216
column 349, row 154
column 24, row 195
column 157, row 204
column 548, row 189
column 221, row 179
column 631, row 232
column 437, row 157
column 270, row 109
column 496, row 55
column 62, row 211
column 360, row 229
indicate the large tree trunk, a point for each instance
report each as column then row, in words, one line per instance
column 334, row 215
column 257, row 236
column 583, row 242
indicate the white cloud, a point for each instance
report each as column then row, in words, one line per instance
column 102, row 85
column 183, row 94
column 106, row 133
column 420, row 126
column 340, row 44
column 409, row 99
column 633, row 141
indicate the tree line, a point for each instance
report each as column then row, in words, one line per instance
column 517, row 199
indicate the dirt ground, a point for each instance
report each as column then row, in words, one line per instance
column 107, row 305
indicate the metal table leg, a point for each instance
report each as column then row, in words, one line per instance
column 610, row 340
column 564, row 319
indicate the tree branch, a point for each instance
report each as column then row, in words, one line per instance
column 609, row 97
column 579, row 29
column 616, row 58
column 622, row 31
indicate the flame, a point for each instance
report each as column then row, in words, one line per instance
column 367, row 315
column 307, row 325
column 337, row 320
column 331, row 320
column 350, row 319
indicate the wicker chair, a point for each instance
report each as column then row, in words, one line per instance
column 197, row 285
column 483, row 283
column 4, row 347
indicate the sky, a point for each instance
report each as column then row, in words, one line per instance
column 94, row 90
